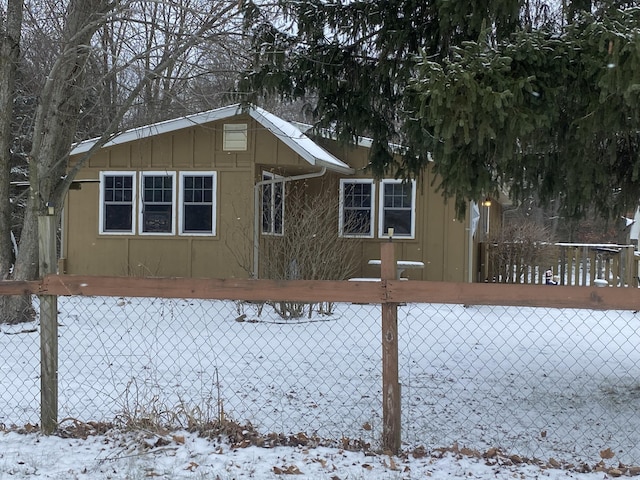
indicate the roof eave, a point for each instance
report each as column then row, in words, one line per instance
column 285, row 131
column 296, row 140
column 166, row 126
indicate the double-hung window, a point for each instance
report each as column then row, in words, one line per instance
column 157, row 215
column 397, row 208
column 197, row 203
column 272, row 204
column 356, row 208
column 117, row 199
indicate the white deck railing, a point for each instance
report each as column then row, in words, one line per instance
column 576, row 264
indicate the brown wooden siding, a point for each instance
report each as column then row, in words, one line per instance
column 441, row 239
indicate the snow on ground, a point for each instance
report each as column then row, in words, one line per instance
column 180, row 455
column 542, row 383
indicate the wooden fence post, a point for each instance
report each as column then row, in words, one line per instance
column 48, row 328
column 391, row 412
column 630, row 267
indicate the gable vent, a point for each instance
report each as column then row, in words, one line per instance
column 234, row 137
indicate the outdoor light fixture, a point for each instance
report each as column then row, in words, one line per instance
column 486, row 202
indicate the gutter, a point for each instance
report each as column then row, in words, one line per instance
column 257, row 211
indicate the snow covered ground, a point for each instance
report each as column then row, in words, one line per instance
column 543, row 383
column 186, row 456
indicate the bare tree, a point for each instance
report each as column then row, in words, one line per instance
column 139, row 45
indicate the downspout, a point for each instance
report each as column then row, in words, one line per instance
column 470, row 248
column 257, row 211
column 472, row 229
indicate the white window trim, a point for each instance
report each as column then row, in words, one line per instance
column 344, row 181
column 272, row 180
column 173, row 202
column 134, row 200
column 383, row 234
column 213, row 209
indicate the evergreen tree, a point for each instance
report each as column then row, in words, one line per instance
column 357, row 58
column 495, row 99
column 552, row 115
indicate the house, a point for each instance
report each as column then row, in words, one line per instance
column 201, row 196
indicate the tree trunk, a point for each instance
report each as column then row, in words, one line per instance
column 64, row 92
column 18, row 308
column 54, row 132
column 10, row 31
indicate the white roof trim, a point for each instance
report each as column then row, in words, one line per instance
column 285, row 131
column 299, row 142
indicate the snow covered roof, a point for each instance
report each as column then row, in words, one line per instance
column 288, row 133
column 361, row 141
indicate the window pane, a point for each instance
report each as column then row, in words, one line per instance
column 198, row 218
column 357, row 222
column 158, row 189
column 278, row 207
column 267, row 211
column 399, row 220
column 272, row 205
column 156, row 218
column 358, row 195
column 117, row 218
column 357, row 204
column 397, row 195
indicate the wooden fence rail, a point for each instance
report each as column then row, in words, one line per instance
column 386, row 291
column 389, row 291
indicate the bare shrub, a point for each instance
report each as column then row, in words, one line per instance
column 310, row 248
column 518, row 249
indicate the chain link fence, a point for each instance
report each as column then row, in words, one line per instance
column 535, row 382
column 538, row 382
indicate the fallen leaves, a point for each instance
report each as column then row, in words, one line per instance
column 607, row 454
column 287, row 470
column 392, row 464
